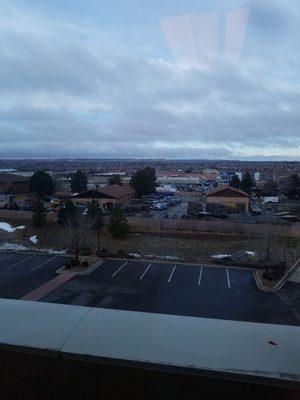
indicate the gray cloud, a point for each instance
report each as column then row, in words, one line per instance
column 65, row 96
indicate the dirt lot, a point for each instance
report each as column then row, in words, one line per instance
column 190, row 248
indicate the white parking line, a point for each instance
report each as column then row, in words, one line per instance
column 119, row 269
column 200, row 276
column 5, row 258
column 143, row 274
column 20, row 262
column 45, row 262
column 171, row 274
column 228, row 280
column 99, row 265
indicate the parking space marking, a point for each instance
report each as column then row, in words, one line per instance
column 143, row 274
column 200, row 276
column 228, row 280
column 99, row 265
column 20, row 262
column 5, row 258
column 171, row 274
column 45, row 262
column 119, row 269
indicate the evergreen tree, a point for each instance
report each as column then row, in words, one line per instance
column 41, row 183
column 270, row 188
column 79, row 182
column 293, row 186
column 247, row 183
column 115, row 180
column 118, row 224
column 144, row 181
column 66, row 212
column 235, row 182
column 39, row 216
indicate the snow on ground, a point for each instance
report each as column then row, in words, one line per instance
column 220, row 256
column 33, row 239
column 4, row 226
column 136, row 255
column 163, row 257
column 50, row 251
column 13, row 247
column 251, row 253
column 19, row 247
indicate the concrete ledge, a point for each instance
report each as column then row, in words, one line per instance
column 200, row 346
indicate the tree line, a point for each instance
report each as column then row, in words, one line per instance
column 290, row 186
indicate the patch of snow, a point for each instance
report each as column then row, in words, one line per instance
column 50, row 251
column 33, row 239
column 170, row 258
column 19, row 247
column 220, row 256
column 5, row 226
column 162, row 257
column 136, row 255
column 13, row 247
column 251, row 253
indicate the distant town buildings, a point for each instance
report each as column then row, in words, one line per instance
column 13, row 184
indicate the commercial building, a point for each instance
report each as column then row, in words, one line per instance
column 231, row 199
column 108, row 197
column 14, row 184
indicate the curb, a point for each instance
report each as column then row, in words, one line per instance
column 62, row 269
column 279, row 284
column 40, row 253
column 180, row 263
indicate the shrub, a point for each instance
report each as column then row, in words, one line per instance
column 67, row 265
column 118, row 224
column 75, row 262
column 84, row 264
column 85, row 251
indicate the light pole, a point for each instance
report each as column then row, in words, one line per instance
column 98, row 220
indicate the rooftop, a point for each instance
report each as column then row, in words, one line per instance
column 111, row 191
column 12, row 178
column 227, row 190
column 118, row 191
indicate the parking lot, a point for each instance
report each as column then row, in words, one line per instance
column 180, row 290
column 173, row 211
column 188, row 290
column 22, row 273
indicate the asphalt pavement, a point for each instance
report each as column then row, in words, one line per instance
column 167, row 288
column 20, row 273
column 208, row 292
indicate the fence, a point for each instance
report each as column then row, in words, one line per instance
column 21, row 215
column 140, row 224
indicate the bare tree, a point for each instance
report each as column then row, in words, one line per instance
column 270, row 242
column 275, row 249
column 78, row 228
column 290, row 251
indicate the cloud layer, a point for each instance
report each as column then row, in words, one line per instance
column 71, row 91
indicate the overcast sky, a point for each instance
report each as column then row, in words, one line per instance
column 150, row 79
